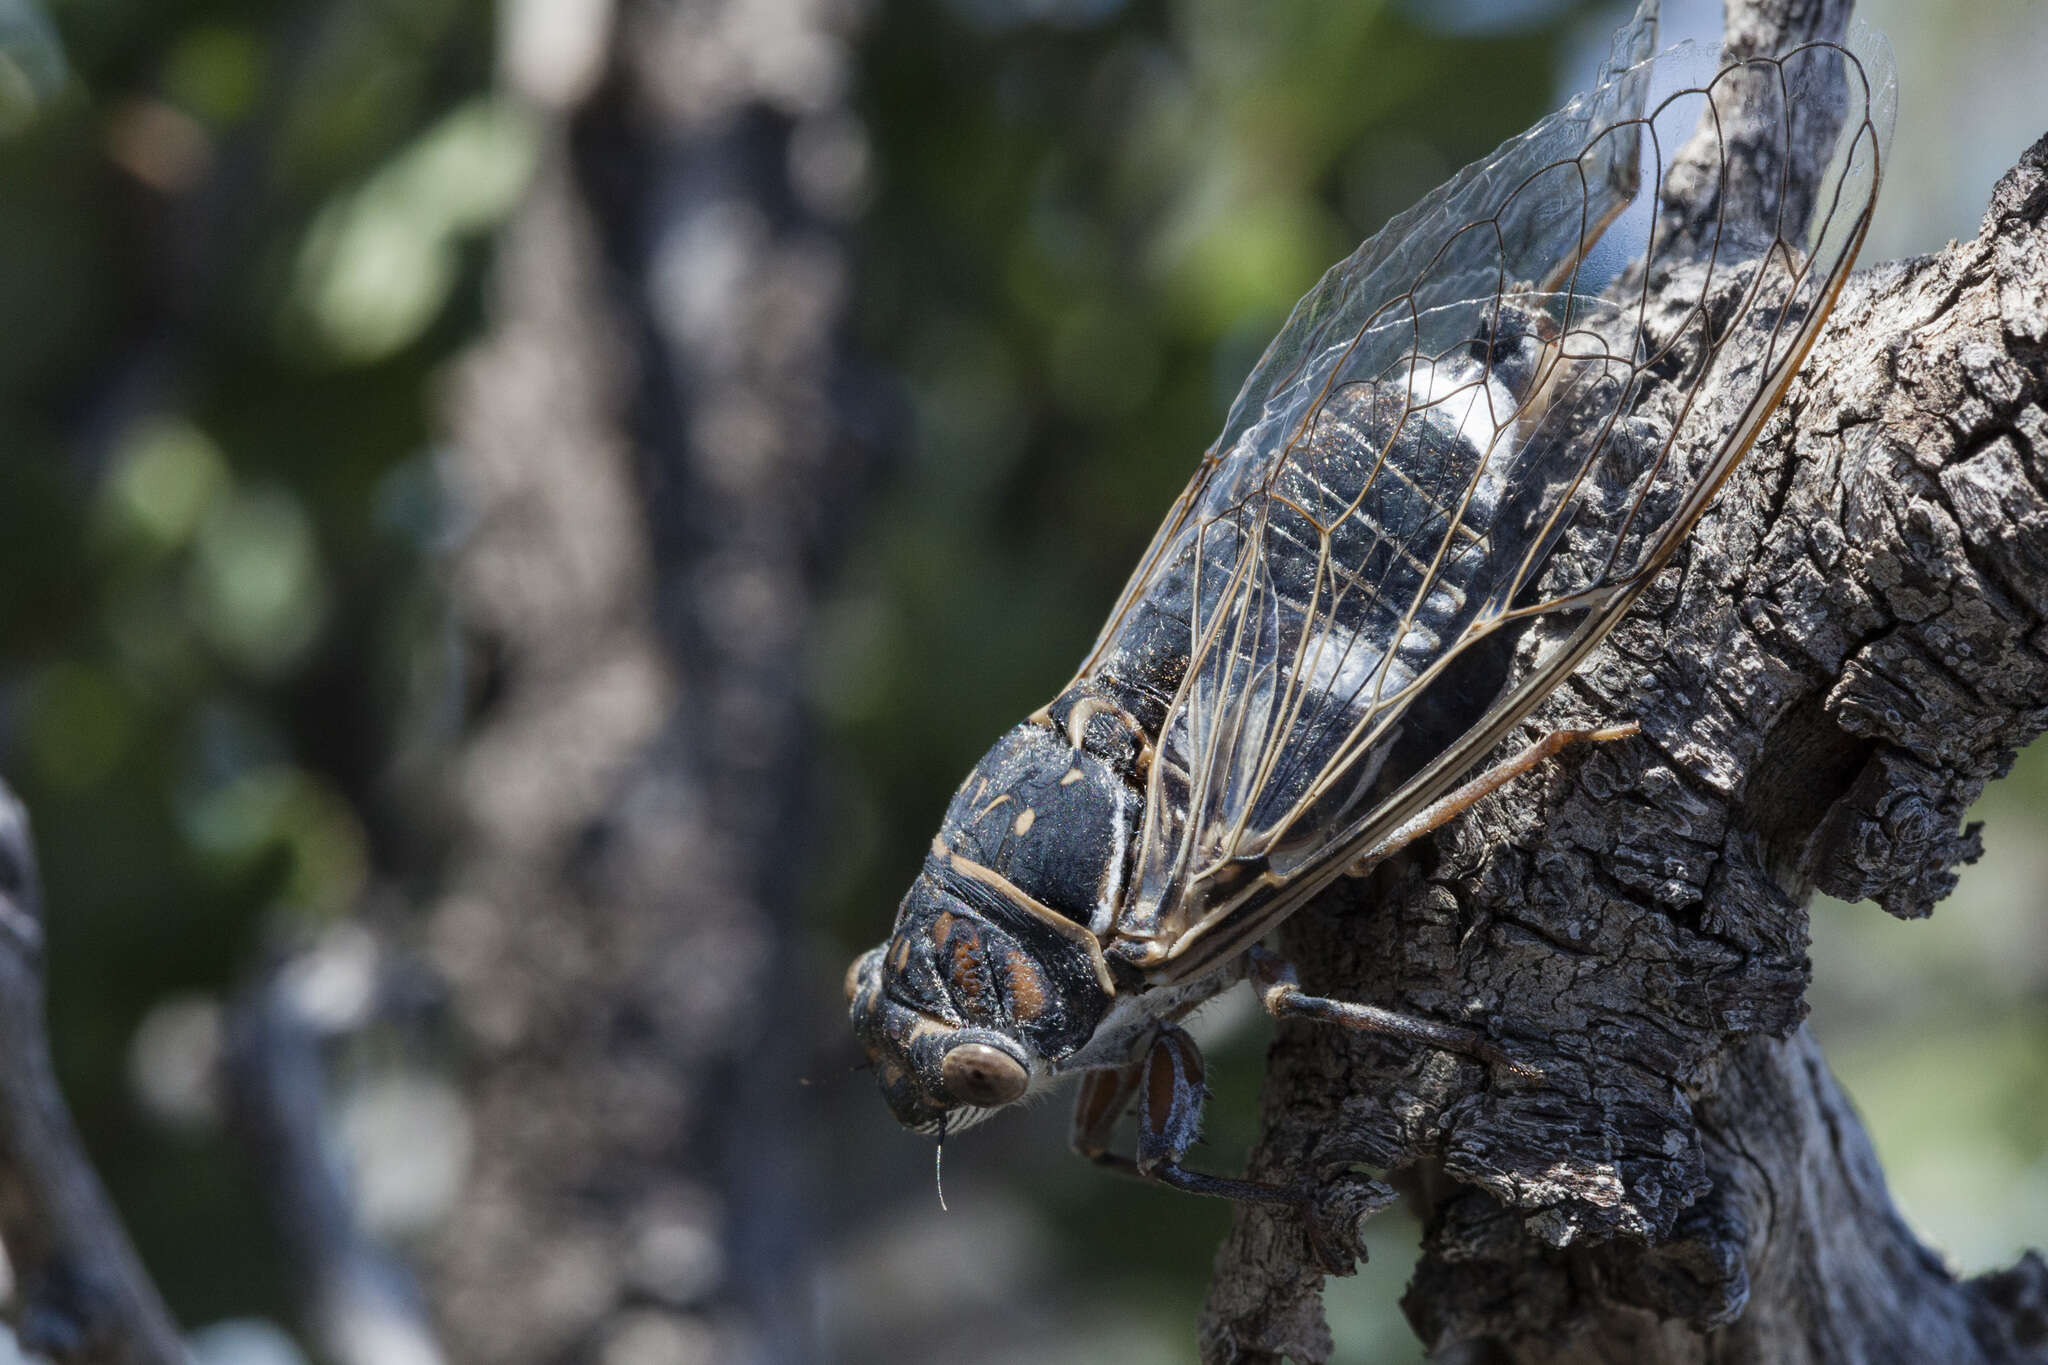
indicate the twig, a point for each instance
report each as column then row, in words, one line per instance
column 364, row 1308
column 84, row 1296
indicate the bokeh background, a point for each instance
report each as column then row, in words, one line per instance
column 245, row 243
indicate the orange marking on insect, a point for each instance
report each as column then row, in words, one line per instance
column 983, row 812
column 969, row 975
column 1099, row 1104
column 1027, row 993
column 1070, row 777
column 1077, row 934
column 1025, row 818
column 1159, row 1086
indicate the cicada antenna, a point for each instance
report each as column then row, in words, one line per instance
column 939, row 1163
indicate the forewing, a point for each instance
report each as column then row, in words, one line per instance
column 1489, row 417
column 1419, row 252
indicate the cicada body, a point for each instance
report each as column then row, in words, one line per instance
column 1467, row 452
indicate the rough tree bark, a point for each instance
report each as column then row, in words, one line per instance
column 651, row 451
column 1853, row 645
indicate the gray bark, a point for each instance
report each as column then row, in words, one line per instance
column 1852, row 645
column 81, row 1295
column 653, row 454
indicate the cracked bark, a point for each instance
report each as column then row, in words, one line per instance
column 1854, row 642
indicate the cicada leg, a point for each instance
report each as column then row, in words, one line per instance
column 1103, row 1097
column 1454, row 803
column 1279, row 988
column 1167, row 1085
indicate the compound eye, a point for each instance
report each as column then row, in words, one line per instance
column 985, row 1076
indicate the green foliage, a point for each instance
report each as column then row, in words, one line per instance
column 236, row 242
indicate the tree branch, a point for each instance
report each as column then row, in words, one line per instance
column 363, row 1307
column 83, row 1295
column 1849, row 649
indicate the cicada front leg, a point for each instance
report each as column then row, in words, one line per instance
column 1279, row 988
column 1103, row 1098
column 1454, row 803
column 1167, row 1085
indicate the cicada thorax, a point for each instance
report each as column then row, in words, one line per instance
column 1000, row 936
column 1054, row 807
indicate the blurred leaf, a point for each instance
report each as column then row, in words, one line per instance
column 80, row 723
column 215, row 72
column 256, row 588
column 205, row 605
column 1225, row 265
column 468, row 171
column 371, row 277
column 285, row 808
column 378, row 263
column 165, row 474
column 32, row 66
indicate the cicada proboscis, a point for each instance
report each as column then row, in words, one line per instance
column 1471, row 446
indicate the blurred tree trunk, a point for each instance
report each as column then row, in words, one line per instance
column 652, row 455
column 1849, row 649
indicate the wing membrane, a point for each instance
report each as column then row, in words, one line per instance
column 1391, row 265
column 1502, row 413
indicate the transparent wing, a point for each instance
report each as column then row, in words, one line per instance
column 1390, row 263
column 1493, row 415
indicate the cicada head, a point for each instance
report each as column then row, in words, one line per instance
column 929, row 1070
column 971, row 1002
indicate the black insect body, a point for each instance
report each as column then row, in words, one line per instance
column 1449, row 453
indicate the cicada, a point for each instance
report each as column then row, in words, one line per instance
column 1469, row 449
